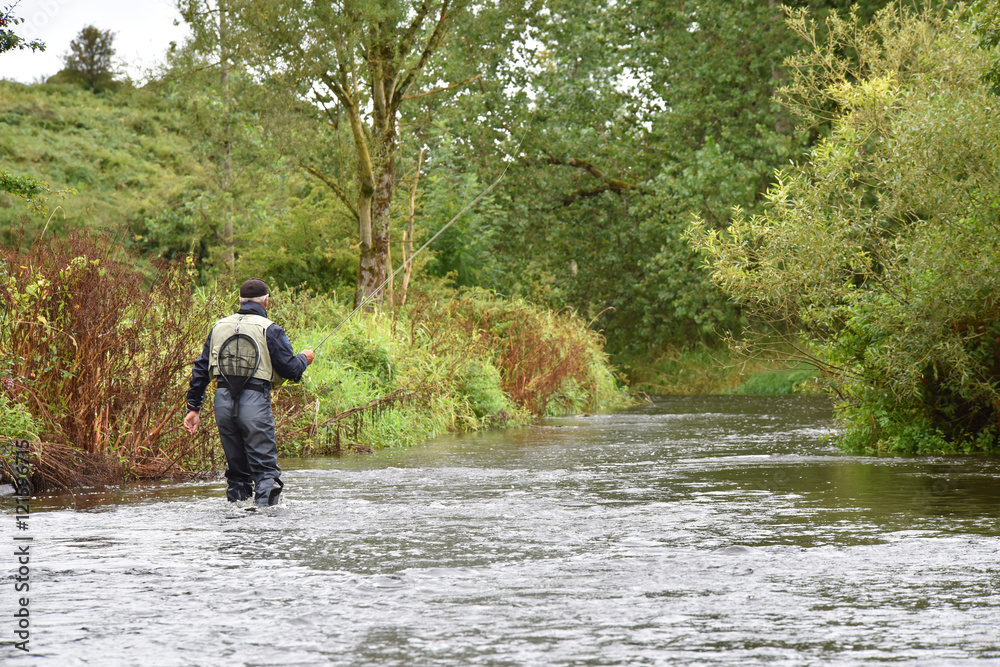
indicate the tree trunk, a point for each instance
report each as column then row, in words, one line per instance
column 373, row 269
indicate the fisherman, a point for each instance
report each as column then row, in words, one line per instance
column 243, row 398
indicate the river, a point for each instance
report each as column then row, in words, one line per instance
column 696, row 531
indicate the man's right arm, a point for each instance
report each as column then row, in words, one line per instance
column 289, row 365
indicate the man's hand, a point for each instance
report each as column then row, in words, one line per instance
column 310, row 355
column 191, row 421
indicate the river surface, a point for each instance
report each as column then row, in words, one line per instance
column 696, row 531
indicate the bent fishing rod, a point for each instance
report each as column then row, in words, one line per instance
column 409, row 259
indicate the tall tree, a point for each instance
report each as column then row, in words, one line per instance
column 89, row 58
column 357, row 62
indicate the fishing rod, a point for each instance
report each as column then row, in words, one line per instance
column 427, row 243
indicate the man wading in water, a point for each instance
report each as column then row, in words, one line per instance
column 245, row 353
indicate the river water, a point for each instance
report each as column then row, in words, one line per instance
column 701, row 531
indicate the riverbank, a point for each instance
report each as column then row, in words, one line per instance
column 449, row 361
column 700, row 370
column 95, row 363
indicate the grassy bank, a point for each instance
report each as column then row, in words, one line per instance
column 454, row 361
column 96, row 361
column 126, row 155
column 708, row 370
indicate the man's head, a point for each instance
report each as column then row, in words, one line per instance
column 254, row 289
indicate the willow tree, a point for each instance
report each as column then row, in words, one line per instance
column 358, row 62
column 876, row 259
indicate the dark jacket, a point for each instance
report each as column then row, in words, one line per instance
column 283, row 359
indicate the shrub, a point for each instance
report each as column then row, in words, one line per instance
column 881, row 251
column 448, row 361
column 537, row 352
column 15, row 421
column 98, row 359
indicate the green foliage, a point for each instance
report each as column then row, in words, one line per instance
column 629, row 131
column 74, row 140
column 777, row 383
column 309, row 243
column 699, row 369
column 651, row 126
column 10, row 40
column 368, row 357
column 540, row 354
column 464, row 252
column 881, row 251
column 349, row 71
column 31, row 190
column 986, row 20
column 480, row 384
column 137, row 160
column 16, row 421
column 463, row 362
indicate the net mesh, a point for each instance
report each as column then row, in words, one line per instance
column 239, row 357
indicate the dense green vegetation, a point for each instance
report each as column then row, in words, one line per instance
column 464, row 361
column 128, row 161
column 861, row 242
column 668, row 113
column 878, row 257
column 96, row 364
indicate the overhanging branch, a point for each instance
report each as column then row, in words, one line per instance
column 615, row 185
column 333, row 185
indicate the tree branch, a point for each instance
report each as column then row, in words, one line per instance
column 433, row 42
column 336, row 88
column 616, row 185
column 333, row 185
column 406, row 42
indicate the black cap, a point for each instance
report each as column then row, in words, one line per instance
column 253, row 287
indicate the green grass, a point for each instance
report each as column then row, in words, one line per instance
column 452, row 359
column 704, row 370
column 125, row 155
column 778, row 382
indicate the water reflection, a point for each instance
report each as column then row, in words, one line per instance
column 697, row 531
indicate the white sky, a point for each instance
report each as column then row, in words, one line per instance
column 143, row 32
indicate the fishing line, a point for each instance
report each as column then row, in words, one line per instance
column 409, row 259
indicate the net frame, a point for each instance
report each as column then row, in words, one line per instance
column 238, row 359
